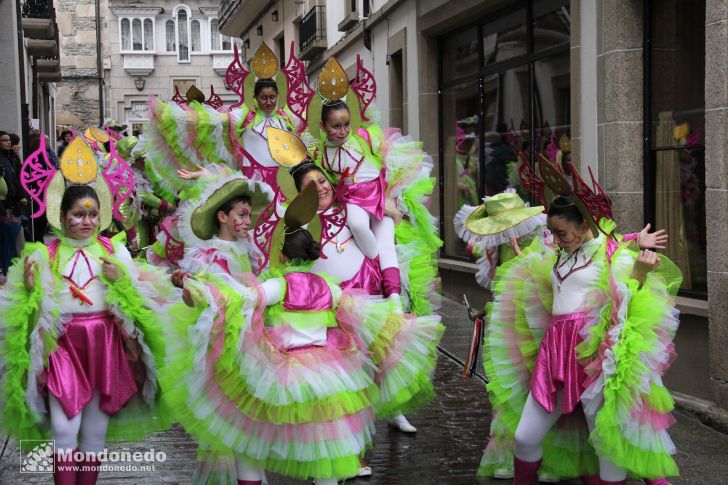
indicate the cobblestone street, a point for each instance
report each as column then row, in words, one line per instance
column 446, row 449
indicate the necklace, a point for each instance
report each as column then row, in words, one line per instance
column 571, row 264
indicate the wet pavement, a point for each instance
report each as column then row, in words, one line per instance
column 446, row 450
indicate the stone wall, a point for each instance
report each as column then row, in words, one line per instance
column 716, row 185
column 78, row 93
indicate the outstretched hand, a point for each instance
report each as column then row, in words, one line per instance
column 646, row 261
column 654, row 240
column 193, row 174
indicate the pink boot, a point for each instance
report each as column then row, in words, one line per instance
column 88, row 470
column 607, row 482
column 525, row 471
column 591, row 480
column 391, row 282
column 249, row 482
column 64, row 472
column 656, row 481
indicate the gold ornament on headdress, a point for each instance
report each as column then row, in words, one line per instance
column 333, row 83
column 96, row 134
column 264, row 63
column 286, row 148
column 301, row 209
column 194, row 94
column 78, row 162
column 565, row 143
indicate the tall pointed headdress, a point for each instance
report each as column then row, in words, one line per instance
column 78, row 165
column 592, row 201
column 334, row 87
column 291, row 80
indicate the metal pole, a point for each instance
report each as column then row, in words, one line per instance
column 98, row 64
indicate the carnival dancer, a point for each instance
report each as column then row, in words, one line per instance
column 376, row 176
column 81, row 346
column 285, row 369
column 589, row 326
column 345, row 253
column 197, row 133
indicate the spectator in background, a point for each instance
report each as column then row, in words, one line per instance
column 11, row 235
column 15, row 147
column 65, row 140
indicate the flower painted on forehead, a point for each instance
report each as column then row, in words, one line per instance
column 87, row 203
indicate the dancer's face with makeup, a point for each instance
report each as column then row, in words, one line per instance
column 323, row 187
column 236, row 223
column 567, row 234
column 82, row 219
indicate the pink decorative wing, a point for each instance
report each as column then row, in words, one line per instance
column 299, row 91
column 35, row 175
column 120, row 178
column 214, row 100
column 530, row 180
column 365, row 87
column 114, row 135
column 174, row 249
column 235, row 77
column 178, row 98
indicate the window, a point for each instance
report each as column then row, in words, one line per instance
column 675, row 148
column 125, row 35
column 137, row 34
column 169, row 34
column 183, row 35
column 219, row 42
column 148, row 35
column 196, row 37
column 504, row 88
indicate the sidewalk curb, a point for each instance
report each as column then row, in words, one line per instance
column 707, row 412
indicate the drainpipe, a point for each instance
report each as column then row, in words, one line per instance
column 98, row 64
column 24, row 114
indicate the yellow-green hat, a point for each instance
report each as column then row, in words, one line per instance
column 204, row 217
column 125, row 146
column 499, row 213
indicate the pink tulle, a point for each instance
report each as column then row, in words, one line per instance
column 658, row 421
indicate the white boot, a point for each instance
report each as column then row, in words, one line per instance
column 400, row 422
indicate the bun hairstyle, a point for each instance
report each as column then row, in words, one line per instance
column 300, row 244
column 330, row 106
column 565, row 207
column 261, row 84
column 74, row 193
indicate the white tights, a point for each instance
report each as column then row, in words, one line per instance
column 536, row 422
column 91, row 422
column 374, row 238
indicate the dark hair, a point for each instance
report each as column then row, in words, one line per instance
column 261, row 84
column 332, row 106
column 74, row 193
column 229, row 204
column 565, row 208
column 14, row 139
column 64, row 133
column 300, row 244
column 33, row 142
column 298, row 173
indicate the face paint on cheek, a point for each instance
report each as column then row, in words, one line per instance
column 74, row 221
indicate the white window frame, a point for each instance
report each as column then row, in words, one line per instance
column 175, row 14
column 131, row 19
column 219, row 38
column 201, row 46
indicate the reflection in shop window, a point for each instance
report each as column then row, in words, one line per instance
column 677, row 145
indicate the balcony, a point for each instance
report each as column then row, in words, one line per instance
column 39, row 19
column 312, row 33
column 139, row 64
column 236, row 17
column 220, row 62
column 49, row 70
column 41, row 47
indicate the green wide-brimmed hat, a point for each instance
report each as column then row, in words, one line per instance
column 125, row 146
column 499, row 213
column 204, row 217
